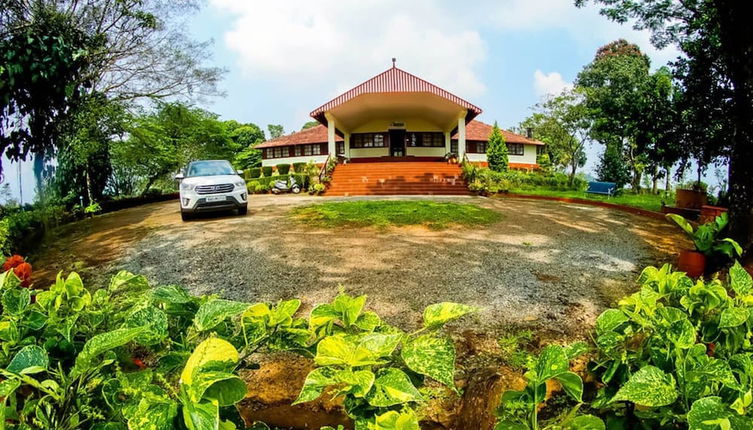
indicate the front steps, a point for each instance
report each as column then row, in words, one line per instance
column 404, row 178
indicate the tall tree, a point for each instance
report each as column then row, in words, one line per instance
column 715, row 38
column 63, row 50
column 309, row 124
column 246, row 137
column 275, row 130
column 612, row 166
column 613, row 84
column 563, row 124
column 496, row 150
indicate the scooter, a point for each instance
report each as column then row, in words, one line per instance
column 289, row 186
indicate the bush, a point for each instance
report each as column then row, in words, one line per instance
column 299, row 167
column 132, row 355
column 21, row 229
column 261, row 188
column 267, row 170
column 283, row 169
column 317, row 189
column 254, row 172
column 487, row 181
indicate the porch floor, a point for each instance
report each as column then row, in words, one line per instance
column 397, row 178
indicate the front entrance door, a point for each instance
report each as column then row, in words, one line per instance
column 397, row 143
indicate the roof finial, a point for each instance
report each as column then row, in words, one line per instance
column 393, row 62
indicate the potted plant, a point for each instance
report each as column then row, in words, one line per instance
column 691, row 197
column 451, row 158
column 707, row 244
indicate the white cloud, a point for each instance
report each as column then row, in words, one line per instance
column 339, row 44
column 549, row 84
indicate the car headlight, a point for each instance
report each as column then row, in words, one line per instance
column 240, row 184
column 186, row 186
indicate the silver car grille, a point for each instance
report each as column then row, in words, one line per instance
column 214, row 189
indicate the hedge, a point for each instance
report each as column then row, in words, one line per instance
column 254, row 172
column 267, row 170
column 302, row 180
column 299, row 167
column 283, row 169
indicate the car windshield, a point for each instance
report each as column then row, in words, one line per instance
column 210, row 168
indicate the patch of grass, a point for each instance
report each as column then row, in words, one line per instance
column 513, row 345
column 388, row 213
column 651, row 202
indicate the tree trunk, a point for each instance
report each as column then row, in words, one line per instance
column 668, row 179
column 573, row 168
column 737, row 48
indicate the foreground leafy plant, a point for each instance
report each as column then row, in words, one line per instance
column 378, row 368
column 706, row 236
column 519, row 410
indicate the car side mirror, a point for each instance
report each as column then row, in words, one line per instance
column 239, row 172
column 179, row 176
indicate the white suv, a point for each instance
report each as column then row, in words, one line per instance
column 211, row 185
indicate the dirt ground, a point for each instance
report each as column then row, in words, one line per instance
column 547, row 265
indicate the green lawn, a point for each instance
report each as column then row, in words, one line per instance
column 386, row 213
column 650, row 202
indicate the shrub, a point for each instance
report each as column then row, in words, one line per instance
column 317, row 189
column 283, row 169
column 21, row 229
column 496, row 151
column 251, row 186
column 299, row 167
column 261, row 188
column 254, row 172
column 132, row 355
column 267, row 170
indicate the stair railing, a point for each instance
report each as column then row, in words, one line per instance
column 327, row 168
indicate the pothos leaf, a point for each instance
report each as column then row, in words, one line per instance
column 551, row 362
column 431, row 356
column 649, row 386
column 740, row 280
column 572, row 384
column 439, row 314
column 733, row 317
column 211, row 354
column 201, row 416
column 105, row 342
column 392, row 387
column 315, row 383
column 213, row 312
column 30, row 359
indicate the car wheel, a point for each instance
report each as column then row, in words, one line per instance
column 185, row 216
column 243, row 210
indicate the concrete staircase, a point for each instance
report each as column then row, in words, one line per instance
column 397, row 178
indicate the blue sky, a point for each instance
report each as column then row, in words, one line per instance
column 287, row 57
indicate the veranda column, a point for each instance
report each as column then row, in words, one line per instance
column 331, row 150
column 447, row 142
column 347, row 145
column 461, row 134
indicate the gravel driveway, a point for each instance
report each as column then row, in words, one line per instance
column 546, row 264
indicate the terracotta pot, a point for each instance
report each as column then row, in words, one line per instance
column 690, row 199
column 692, row 262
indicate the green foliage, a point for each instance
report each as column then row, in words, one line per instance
column 283, row 169
column 275, row 131
column 706, row 236
column 520, row 409
column 267, row 171
column 254, row 172
column 93, row 208
column 383, row 214
column 317, row 189
column 496, row 150
column 486, row 181
column 377, row 368
column 613, row 167
column 678, row 349
column 299, row 167
column 21, row 229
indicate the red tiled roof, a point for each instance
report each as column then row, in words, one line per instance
column 474, row 130
column 394, row 80
column 477, row 130
column 317, row 134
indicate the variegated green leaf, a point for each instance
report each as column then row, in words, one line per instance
column 439, row 314
column 392, row 387
column 431, row 356
column 213, row 354
column 733, row 317
column 154, row 322
column 16, row 300
column 356, row 383
column 105, row 342
column 125, row 280
column 30, row 359
column 201, row 416
column 609, row 320
column 551, row 362
column 316, row 381
column 740, row 280
column 213, row 312
column 649, row 386
column 223, row 387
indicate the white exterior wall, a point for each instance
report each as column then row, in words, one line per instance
column 317, row 159
column 528, row 157
column 426, row 151
column 369, row 152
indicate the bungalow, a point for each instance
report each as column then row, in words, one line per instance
column 396, row 116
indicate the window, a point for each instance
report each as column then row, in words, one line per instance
column 367, row 140
column 307, row 150
column 454, row 146
column 316, row 149
column 425, row 139
column 298, row 150
column 515, row 149
column 481, row 147
column 278, row 152
column 340, row 148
